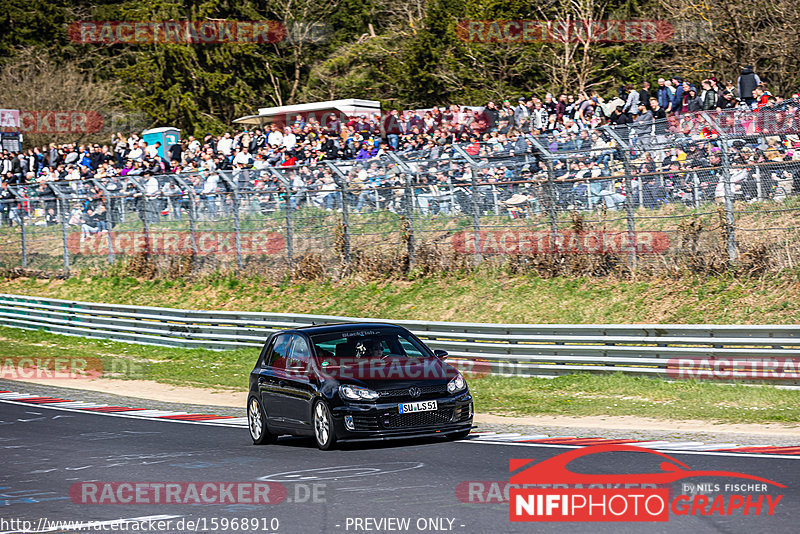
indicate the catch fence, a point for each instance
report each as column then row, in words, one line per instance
column 704, row 191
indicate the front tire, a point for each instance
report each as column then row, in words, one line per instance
column 257, row 423
column 324, row 433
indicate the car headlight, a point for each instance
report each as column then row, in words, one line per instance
column 456, row 384
column 357, row 393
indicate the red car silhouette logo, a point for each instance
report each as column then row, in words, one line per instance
column 554, row 470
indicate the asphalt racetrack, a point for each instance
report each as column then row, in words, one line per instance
column 399, row 486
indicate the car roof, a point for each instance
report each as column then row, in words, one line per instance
column 338, row 327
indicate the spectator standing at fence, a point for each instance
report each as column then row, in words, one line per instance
column 619, row 117
column 539, row 117
column 642, row 125
column 6, row 203
column 644, row 94
column 150, row 151
column 747, row 83
column 520, row 114
column 664, row 94
column 677, row 98
column 730, row 86
column 708, row 96
column 275, row 137
column 225, row 144
column 135, row 154
column 89, row 224
column 632, row 101
column 726, row 101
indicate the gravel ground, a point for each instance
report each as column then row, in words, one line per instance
column 709, row 436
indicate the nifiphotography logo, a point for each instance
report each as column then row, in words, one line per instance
column 550, row 491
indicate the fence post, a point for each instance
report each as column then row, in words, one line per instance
column 409, row 221
column 143, row 212
column 552, row 194
column 409, row 207
column 64, row 223
column 730, row 231
column 624, row 149
column 237, row 231
column 109, row 219
column 193, row 201
column 24, row 245
column 289, row 230
column 476, row 209
column 341, row 181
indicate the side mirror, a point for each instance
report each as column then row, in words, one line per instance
column 441, row 354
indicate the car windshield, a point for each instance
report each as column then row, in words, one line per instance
column 367, row 343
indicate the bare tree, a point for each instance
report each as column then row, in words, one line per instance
column 724, row 36
column 572, row 56
column 34, row 83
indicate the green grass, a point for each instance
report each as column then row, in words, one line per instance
column 127, row 361
column 617, row 394
column 487, row 295
column 574, row 395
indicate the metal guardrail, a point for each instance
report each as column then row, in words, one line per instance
column 706, row 351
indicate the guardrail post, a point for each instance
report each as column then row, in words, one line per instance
column 625, row 150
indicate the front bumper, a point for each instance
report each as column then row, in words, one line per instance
column 383, row 421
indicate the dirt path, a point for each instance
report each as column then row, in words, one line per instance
column 147, row 389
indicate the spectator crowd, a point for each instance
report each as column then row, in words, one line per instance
column 286, row 162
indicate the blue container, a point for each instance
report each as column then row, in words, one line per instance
column 167, row 136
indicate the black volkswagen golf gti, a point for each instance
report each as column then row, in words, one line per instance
column 355, row 381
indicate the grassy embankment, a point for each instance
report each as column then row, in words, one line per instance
column 477, row 297
column 482, row 296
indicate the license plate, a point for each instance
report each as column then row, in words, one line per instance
column 413, row 407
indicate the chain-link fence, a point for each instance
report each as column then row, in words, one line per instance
column 704, row 192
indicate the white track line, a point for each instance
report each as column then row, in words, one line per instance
column 509, row 438
column 670, row 451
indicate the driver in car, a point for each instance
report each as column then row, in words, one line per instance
column 369, row 348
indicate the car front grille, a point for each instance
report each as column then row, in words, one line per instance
column 425, row 391
column 393, row 421
column 409, row 420
column 365, row 422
